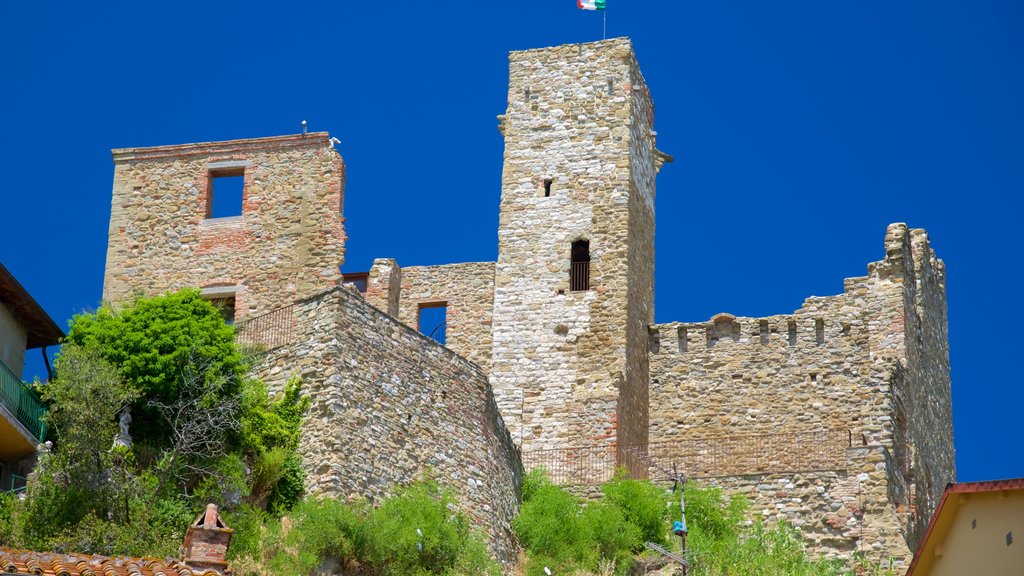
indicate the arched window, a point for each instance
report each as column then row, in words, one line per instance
column 579, row 268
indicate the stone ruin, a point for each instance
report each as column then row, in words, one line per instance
column 836, row 417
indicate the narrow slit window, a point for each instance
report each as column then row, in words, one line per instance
column 579, row 267
column 682, row 338
column 433, row 321
column 225, row 192
column 791, row 325
column 763, row 327
column 547, row 188
column 819, row 331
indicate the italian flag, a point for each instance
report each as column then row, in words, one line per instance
column 590, row 4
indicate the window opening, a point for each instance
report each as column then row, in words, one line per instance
column 763, row 326
column 791, row 325
column 226, row 307
column 579, row 267
column 682, row 338
column 819, row 331
column 225, row 191
column 358, row 278
column 547, row 188
column 433, row 321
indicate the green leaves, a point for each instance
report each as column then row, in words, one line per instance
column 153, row 342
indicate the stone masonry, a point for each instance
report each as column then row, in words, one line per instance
column 390, row 405
column 871, row 362
column 570, row 366
column 286, row 244
column 836, row 417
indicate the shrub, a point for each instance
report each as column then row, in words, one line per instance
column 152, row 342
column 559, row 531
column 417, row 531
column 642, row 503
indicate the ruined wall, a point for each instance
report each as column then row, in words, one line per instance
column 287, row 243
column 391, row 405
column 931, row 457
column 873, row 361
column 733, row 375
column 839, row 512
column 468, row 291
column 571, row 141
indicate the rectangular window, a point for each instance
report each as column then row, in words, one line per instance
column 226, row 306
column 547, row 188
column 433, row 320
column 225, row 191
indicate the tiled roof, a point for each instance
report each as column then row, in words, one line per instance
column 56, row 564
column 204, row 552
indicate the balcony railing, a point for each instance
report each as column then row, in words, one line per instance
column 22, row 402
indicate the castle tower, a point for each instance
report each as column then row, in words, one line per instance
column 254, row 223
column 574, row 281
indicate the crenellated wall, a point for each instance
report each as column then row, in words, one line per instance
column 391, row 405
column 872, row 361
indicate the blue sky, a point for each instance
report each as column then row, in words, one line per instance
column 800, row 129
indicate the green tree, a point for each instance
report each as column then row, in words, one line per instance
column 153, row 342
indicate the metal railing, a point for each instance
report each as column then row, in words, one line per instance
column 23, row 403
column 712, row 457
column 18, row 484
column 579, row 276
column 270, row 330
column 439, row 334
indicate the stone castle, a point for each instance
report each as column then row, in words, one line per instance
column 836, row 417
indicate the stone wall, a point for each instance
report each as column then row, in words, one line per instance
column 839, row 512
column 576, row 125
column 872, row 361
column 468, row 291
column 287, row 243
column 391, row 405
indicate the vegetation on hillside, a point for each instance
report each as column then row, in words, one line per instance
column 570, row 536
column 204, row 431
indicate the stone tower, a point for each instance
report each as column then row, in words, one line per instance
column 574, row 281
column 282, row 239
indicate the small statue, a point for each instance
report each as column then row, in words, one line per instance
column 123, row 438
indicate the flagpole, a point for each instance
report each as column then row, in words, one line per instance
column 604, row 30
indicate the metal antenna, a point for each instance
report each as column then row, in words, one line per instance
column 678, row 479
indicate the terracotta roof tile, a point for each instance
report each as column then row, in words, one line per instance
column 58, row 564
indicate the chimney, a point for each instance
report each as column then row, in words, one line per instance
column 206, row 542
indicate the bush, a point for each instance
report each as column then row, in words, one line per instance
column 329, row 535
column 642, row 503
column 417, row 532
column 153, row 342
column 559, row 531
